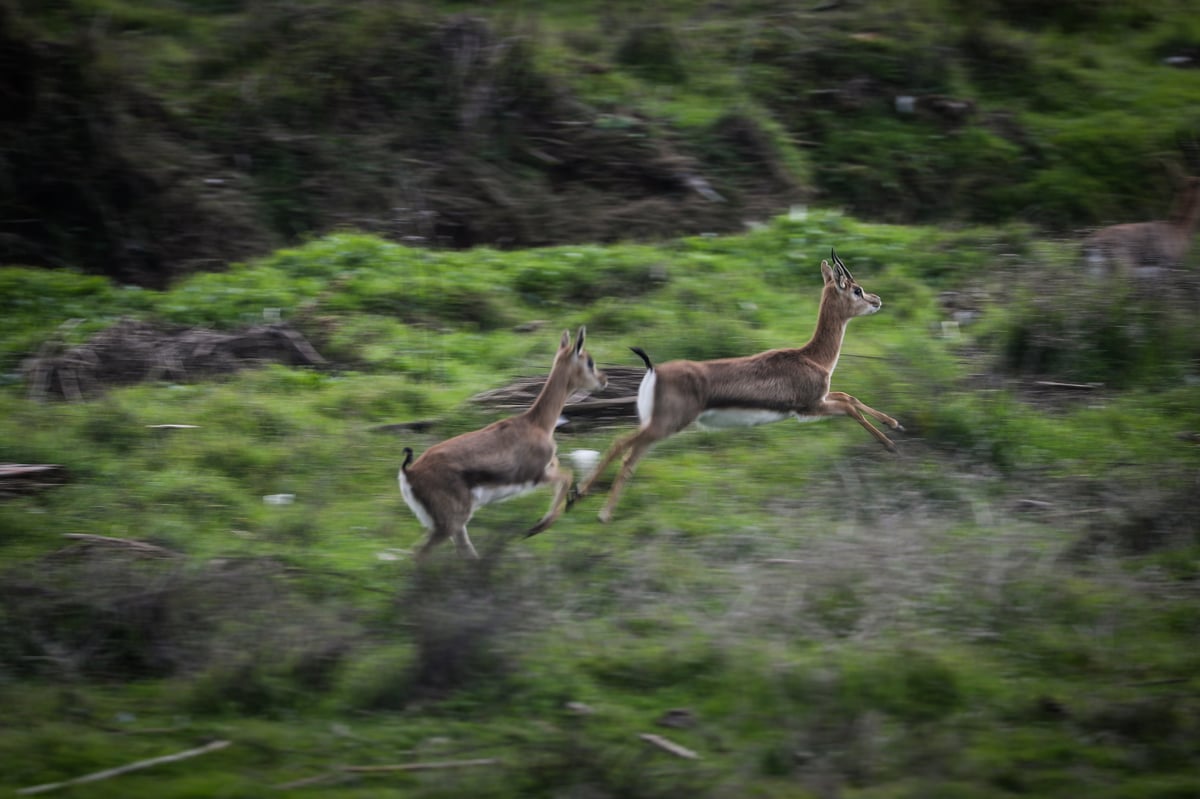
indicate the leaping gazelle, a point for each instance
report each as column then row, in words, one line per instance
column 752, row 390
column 451, row 480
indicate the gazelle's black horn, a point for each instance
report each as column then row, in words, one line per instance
column 841, row 267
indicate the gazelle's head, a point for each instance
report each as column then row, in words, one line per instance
column 582, row 374
column 842, row 292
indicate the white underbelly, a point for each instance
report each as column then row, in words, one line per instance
column 726, row 418
column 414, row 504
column 486, row 495
column 723, row 418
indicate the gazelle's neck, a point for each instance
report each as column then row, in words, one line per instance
column 546, row 409
column 826, row 342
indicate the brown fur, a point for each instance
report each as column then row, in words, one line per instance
column 783, row 380
column 517, row 450
column 1135, row 246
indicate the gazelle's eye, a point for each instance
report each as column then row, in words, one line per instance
column 857, row 291
column 591, row 363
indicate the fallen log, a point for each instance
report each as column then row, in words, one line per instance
column 27, row 478
column 614, row 404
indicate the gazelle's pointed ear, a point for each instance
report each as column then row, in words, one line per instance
column 565, row 341
column 579, row 337
column 826, row 272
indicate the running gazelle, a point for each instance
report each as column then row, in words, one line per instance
column 752, row 390
column 451, row 480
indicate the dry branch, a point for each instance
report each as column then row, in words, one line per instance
column 669, row 746
column 141, row 547
column 1059, row 385
column 119, row 770
column 433, row 765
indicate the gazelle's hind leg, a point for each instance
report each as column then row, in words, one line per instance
column 436, row 536
column 439, row 534
column 637, row 445
column 561, row 478
column 450, row 509
column 462, row 542
column 614, row 451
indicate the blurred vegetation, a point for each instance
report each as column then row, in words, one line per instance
column 154, row 139
column 1009, row 607
column 1006, row 608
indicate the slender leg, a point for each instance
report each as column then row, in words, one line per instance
column 449, row 505
column 867, row 409
column 436, row 536
column 839, row 404
column 638, row 446
column 562, row 484
column 463, row 542
column 613, row 452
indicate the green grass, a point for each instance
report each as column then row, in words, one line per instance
column 1004, row 608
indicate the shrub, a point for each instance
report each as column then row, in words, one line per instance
column 911, row 684
column 378, row 679
column 653, row 52
column 1067, row 15
column 117, row 614
column 460, row 615
column 1095, row 331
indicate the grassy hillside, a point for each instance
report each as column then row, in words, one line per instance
column 158, row 138
column 1007, row 607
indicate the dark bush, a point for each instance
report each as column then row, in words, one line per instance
column 124, row 610
column 1106, row 331
column 651, row 51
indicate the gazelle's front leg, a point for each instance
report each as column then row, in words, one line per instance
column 867, row 409
column 562, row 484
column 841, row 404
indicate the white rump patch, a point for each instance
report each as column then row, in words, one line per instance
column 486, row 495
column 413, row 503
column 645, row 398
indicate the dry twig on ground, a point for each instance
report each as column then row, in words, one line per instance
column 119, row 770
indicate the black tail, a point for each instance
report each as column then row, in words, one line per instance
column 641, row 353
column 408, row 459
